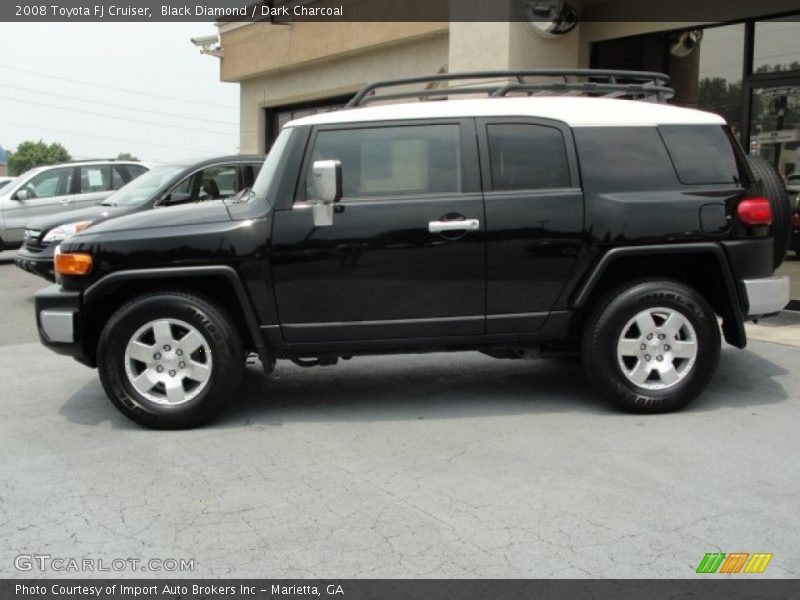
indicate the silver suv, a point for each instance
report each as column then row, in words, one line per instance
column 49, row 190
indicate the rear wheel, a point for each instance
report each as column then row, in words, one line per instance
column 774, row 190
column 651, row 346
column 170, row 360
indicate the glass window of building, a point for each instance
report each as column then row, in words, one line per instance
column 705, row 68
column 776, row 47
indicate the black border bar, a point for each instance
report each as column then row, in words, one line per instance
column 708, row 587
column 372, row 11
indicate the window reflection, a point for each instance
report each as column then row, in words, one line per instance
column 776, row 46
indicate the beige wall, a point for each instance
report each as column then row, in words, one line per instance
column 261, row 48
column 331, row 78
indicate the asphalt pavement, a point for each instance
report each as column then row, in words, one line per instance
column 448, row 465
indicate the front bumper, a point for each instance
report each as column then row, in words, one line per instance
column 58, row 319
column 767, row 295
column 40, row 264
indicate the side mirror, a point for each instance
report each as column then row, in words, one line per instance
column 175, row 198
column 21, row 195
column 327, row 190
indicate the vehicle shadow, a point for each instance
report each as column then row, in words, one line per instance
column 437, row 386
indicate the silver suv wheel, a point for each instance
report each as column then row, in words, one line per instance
column 657, row 348
column 168, row 361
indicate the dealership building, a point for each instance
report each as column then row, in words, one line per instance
column 747, row 68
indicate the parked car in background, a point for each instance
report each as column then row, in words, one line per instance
column 4, row 181
column 58, row 188
column 164, row 185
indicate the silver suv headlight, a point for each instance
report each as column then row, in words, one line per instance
column 62, row 232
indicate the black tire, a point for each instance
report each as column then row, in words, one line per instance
column 606, row 324
column 220, row 335
column 775, row 191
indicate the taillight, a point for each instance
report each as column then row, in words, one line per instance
column 755, row 211
column 795, row 220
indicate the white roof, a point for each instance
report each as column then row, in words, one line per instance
column 572, row 110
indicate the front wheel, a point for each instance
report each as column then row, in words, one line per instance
column 170, row 360
column 652, row 346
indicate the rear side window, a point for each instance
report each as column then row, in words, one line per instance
column 623, row 159
column 701, row 154
column 392, row 161
column 527, row 157
column 95, row 179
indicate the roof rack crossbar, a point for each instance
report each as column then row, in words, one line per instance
column 649, row 83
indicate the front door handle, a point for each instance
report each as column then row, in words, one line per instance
column 460, row 225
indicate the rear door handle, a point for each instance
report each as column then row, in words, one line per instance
column 461, row 225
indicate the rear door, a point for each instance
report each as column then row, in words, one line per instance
column 534, row 218
column 405, row 256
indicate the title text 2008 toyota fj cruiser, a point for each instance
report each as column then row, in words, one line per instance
column 521, row 224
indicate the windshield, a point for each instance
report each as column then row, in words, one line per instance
column 141, row 189
column 267, row 173
column 5, row 182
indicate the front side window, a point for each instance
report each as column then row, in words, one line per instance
column 527, row 157
column 56, row 182
column 392, row 161
column 217, row 183
column 182, row 192
column 250, row 173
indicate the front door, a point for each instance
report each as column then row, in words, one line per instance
column 405, row 255
column 45, row 194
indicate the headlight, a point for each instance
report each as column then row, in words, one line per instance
column 62, row 232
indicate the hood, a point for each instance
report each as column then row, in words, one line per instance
column 92, row 213
column 189, row 214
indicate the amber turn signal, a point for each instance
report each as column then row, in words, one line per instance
column 73, row 264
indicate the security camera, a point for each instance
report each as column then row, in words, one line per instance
column 209, row 44
column 205, row 40
column 549, row 18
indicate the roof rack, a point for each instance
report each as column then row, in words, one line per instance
column 636, row 85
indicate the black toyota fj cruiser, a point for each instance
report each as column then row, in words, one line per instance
column 523, row 224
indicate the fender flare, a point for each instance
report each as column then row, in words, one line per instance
column 733, row 323
column 113, row 280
